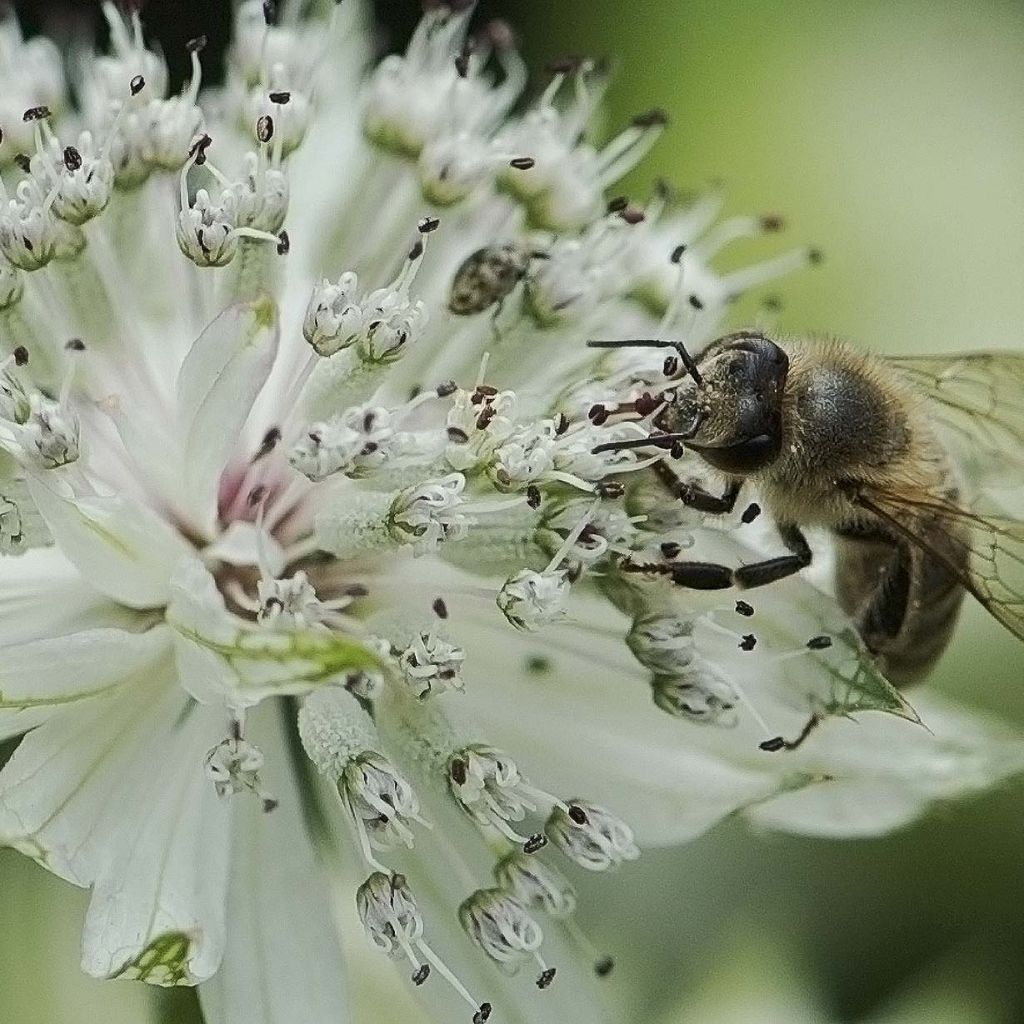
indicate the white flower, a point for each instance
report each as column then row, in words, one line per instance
column 268, row 527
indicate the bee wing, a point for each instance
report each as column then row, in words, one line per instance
column 977, row 401
column 993, row 546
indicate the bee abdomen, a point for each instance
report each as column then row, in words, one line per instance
column 904, row 599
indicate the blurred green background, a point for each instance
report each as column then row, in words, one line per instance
column 889, row 134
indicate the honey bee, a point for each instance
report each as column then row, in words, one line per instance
column 488, row 277
column 888, row 454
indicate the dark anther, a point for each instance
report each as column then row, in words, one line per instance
column 72, row 158
column 819, row 643
column 744, row 609
column 670, row 549
column 458, row 769
column 421, row 975
column 24, row 161
column 196, row 45
column 483, row 1015
column 280, row 97
column 256, row 495
column 815, row 257
column 457, row 435
column 270, row 12
column 751, row 512
column 136, row 85
column 609, row 490
column 269, row 804
column 577, row 814
column 632, row 215
column 483, row 421
column 604, row 967
column 265, row 128
column 670, row 367
column 270, row 441
column 533, row 496
column 618, row 204
column 772, row 222
column 546, row 977
column 284, row 244
column 236, row 728
column 447, row 388
column 646, row 404
column 74, row 345
column 597, row 414
column 535, row 843
column 677, row 253
column 772, row 745
column 20, row 356
column 486, row 390
column 522, row 163
column 695, row 302
column 36, row 114
column 656, row 118
column 416, row 251
column 428, row 224
column 440, row 608
column 199, row 148
column 748, row 643
column 462, row 65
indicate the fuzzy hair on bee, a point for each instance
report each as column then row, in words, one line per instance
column 838, row 439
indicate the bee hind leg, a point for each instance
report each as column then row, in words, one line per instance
column 759, row 574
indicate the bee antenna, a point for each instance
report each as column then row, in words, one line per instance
column 667, row 441
column 678, row 346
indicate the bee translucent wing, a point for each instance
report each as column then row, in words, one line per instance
column 977, row 402
column 993, row 544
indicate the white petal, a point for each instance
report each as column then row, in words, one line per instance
column 112, row 793
column 63, row 669
column 158, row 904
column 15, row 721
column 119, row 545
column 219, row 380
column 880, row 773
column 42, row 594
column 283, row 962
column 224, row 660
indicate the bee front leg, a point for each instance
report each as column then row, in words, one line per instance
column 759, row 574
column 694, row 496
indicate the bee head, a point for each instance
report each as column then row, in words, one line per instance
column 735, row 412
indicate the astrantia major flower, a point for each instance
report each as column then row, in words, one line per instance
column 316, row 560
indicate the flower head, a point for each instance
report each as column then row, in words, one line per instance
column 295, row 513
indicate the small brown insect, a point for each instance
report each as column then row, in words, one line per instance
column 487, row 277
column 896, row 457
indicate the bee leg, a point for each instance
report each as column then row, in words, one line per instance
column 781, row 743
column 692, row 575
column 694, row 496
column 759, row 574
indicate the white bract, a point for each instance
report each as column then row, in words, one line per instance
column 275, row 520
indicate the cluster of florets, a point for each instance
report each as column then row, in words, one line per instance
column 436, row 399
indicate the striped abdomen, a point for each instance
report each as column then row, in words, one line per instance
column 904, row 599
